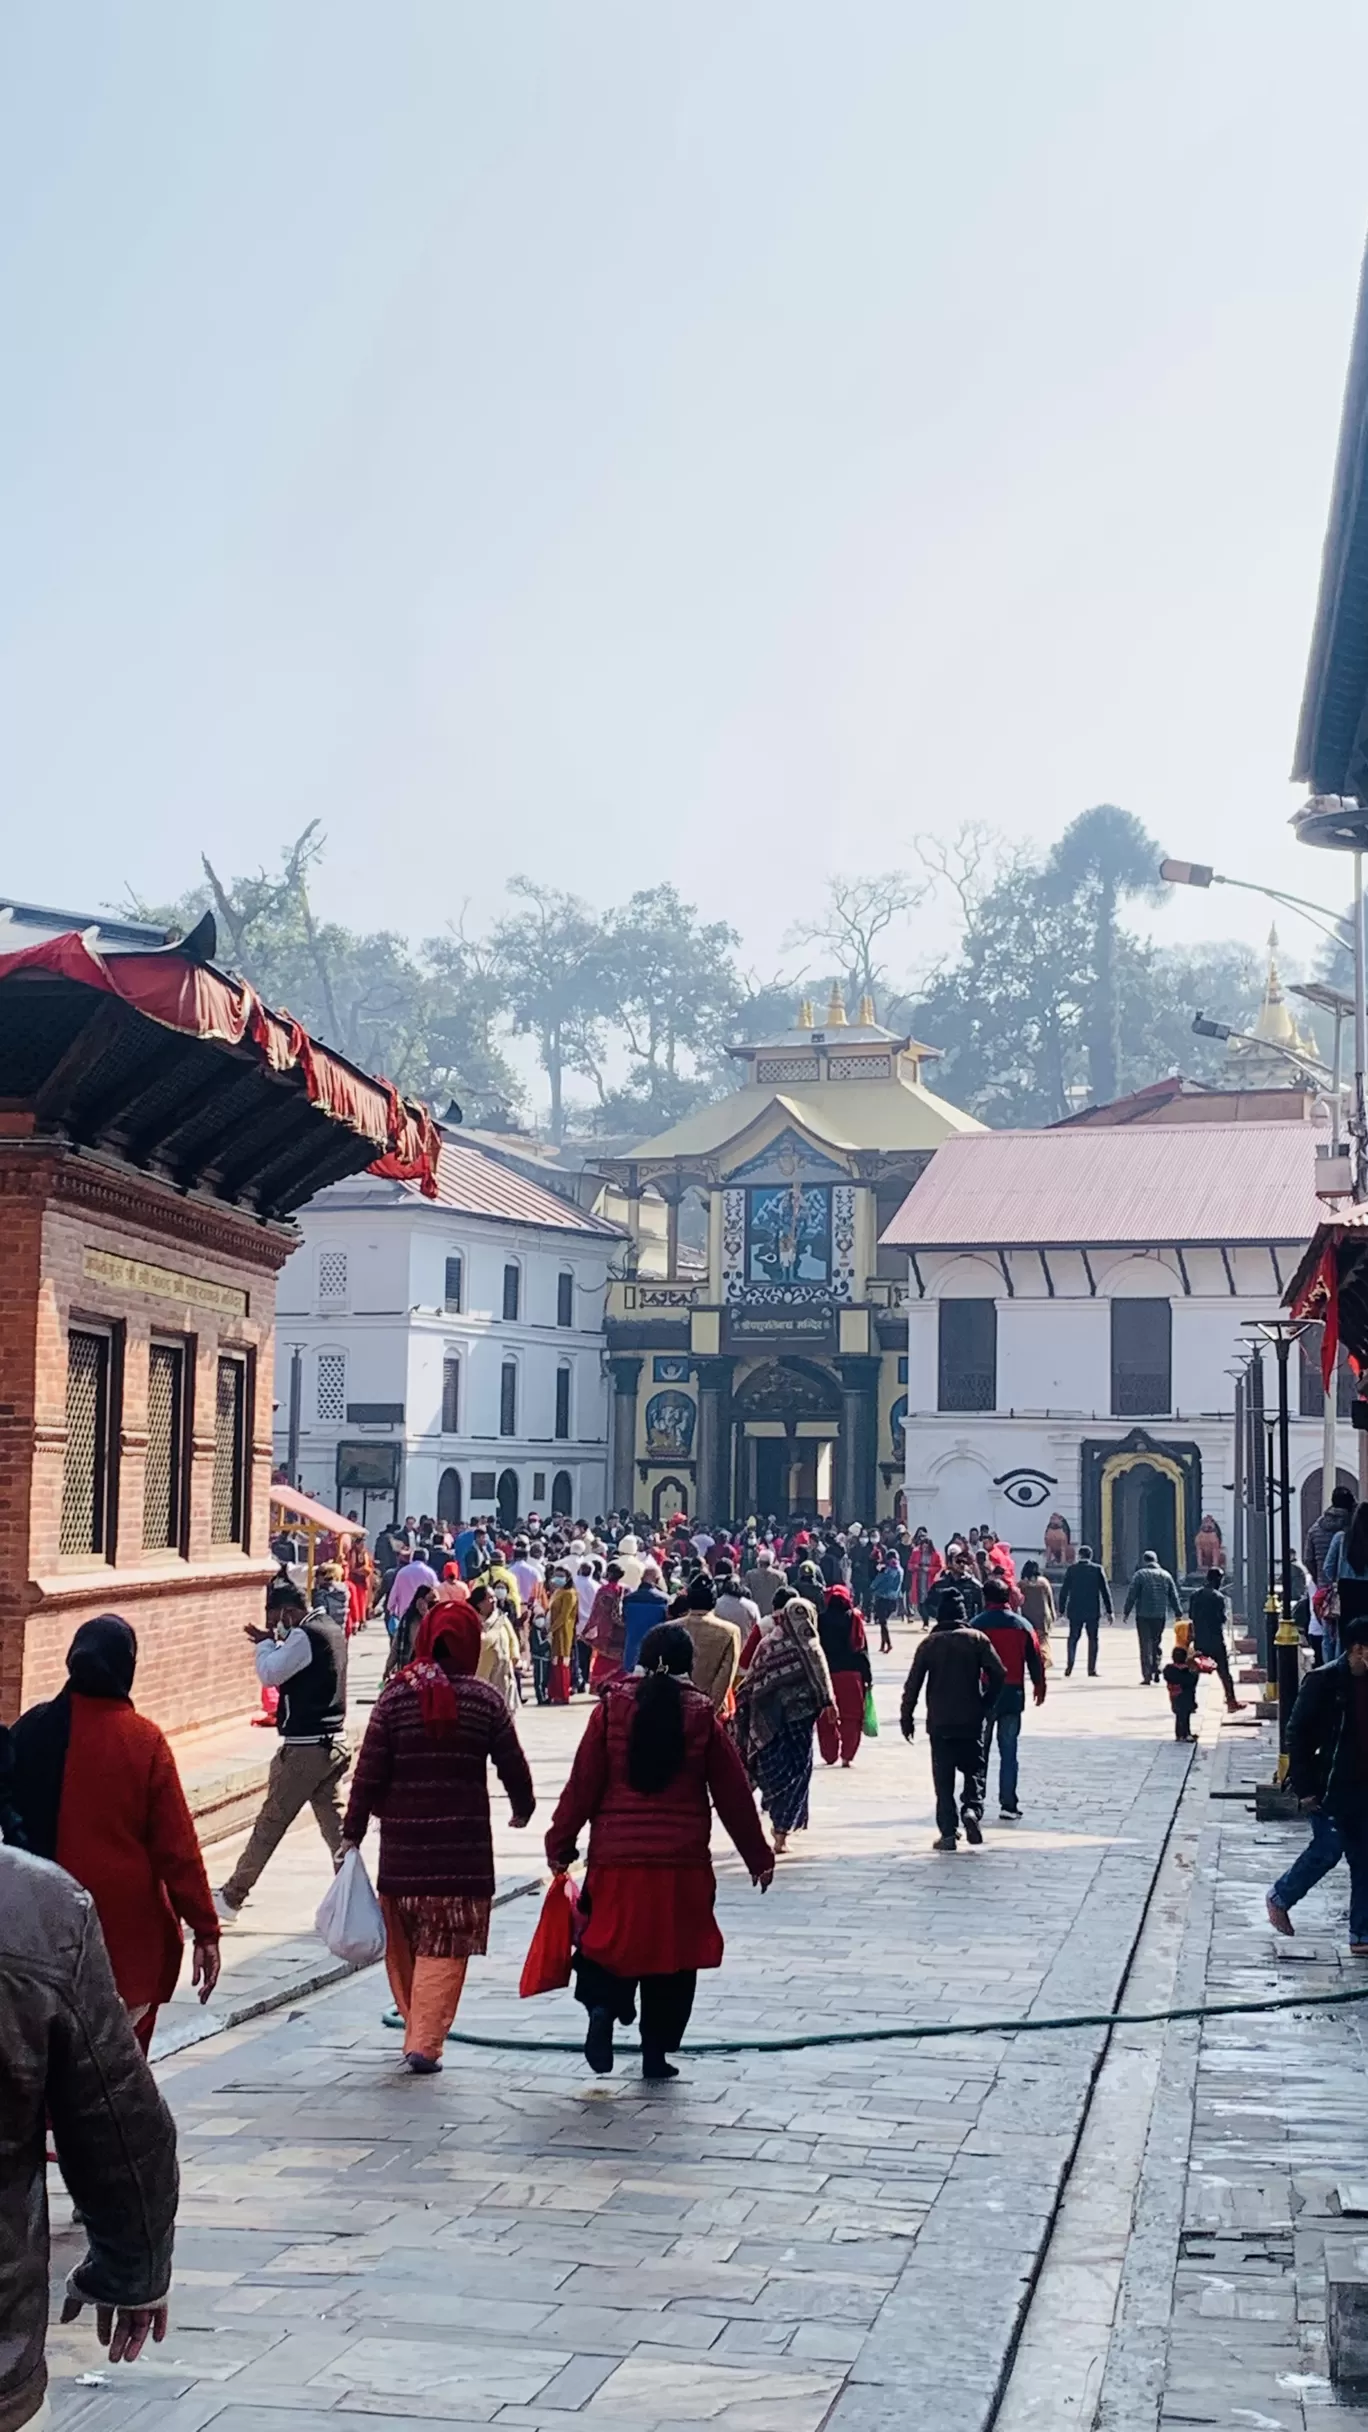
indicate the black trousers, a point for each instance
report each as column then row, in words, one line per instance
column 1151, row 1637
column 1220, row 1656
column 954, row 1754
column 1076, row 1630
column 666, row 2001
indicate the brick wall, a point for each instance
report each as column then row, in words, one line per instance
column 188, row 1607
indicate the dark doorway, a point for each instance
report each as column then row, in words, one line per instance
column 506, row 1497
column 772, row 1462
column 560, row 1495
column 449, row 1497
column 1144, row 1515
column 1313, row 1504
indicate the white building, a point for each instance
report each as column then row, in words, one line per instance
column 1078, row 1301
column 450, row 1350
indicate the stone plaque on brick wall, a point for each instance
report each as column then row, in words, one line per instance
column 167, row 1283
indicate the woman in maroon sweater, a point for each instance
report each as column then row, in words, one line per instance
column 652, row 1764
column 421, row 1770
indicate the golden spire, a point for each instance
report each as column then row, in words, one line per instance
column 836, row 1012
column 805, row 1014
column 869, row 1020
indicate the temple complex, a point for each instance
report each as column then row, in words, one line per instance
column 775, row 1382
column 1275, row 1053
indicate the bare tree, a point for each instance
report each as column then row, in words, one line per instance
column 967, row 862
column 859, row 913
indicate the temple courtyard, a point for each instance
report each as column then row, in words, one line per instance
column 1056, row 2230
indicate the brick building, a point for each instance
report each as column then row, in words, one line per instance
column 158, row 1127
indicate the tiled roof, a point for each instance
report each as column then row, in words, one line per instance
column 479, row 1185
column 1210, row 1182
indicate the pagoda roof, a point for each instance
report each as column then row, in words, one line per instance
column 847, row 1116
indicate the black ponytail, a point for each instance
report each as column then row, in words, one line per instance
column 655, row 1749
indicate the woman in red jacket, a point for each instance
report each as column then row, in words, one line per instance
column 97, row 1789
column 422, row 1771
column 651, row 1766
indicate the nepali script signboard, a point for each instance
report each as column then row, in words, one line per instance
column 810, row 1322
column 165, row 1283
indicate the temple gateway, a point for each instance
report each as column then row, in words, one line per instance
column 771, row 1376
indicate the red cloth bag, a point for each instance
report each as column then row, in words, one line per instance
column 546, row 1969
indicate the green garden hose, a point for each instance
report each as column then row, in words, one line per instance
column 926, row 2032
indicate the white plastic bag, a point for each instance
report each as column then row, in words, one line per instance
column 349, row 1915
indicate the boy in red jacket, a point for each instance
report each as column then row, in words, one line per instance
column 1019, row 1648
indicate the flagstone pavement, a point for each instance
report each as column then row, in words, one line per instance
column 841, row 2236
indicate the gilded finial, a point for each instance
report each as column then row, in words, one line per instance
column 836, row 1012
column 869, row 1020
column 805, row 1014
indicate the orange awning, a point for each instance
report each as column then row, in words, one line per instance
column 294, row 1506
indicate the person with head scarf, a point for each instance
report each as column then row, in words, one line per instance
column 422, row 1771
column 606, row 1629
column 842, row 1634
column 498, row 1658
column 653, row 1763
column 562, row 1619
column 779, row 1698
column 96, row 1788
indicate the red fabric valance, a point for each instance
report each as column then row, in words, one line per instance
column 201, row 1003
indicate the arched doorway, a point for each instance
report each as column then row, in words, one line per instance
column 562, row 1495
column 506, row 1497
column 1313, row 1501
column 449, row 1497
column 669, row 1498
column 781, row 1471
column 1144, row 1515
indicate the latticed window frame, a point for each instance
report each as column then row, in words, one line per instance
column 336, row 1363
column 94, row 1541
column 332, row 1279
column 232, row 1436
column 168, row 1356
column 451, row 1394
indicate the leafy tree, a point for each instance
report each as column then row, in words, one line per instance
column 675, row 996
column 1103, row 855
column 557, row 973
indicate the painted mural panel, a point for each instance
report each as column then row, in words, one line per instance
column 788, row 1234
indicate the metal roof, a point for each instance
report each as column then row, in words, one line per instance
column 480, row 1185
column 30, row 924
column 1214, row 1183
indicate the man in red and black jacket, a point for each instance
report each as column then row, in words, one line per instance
column 1018, row 1647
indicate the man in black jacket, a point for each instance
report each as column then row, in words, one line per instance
column 1083, row 1598
column 1209, row 1611
column 69, row 2056
column 1327, row 1761
column 959, row 1589
column 963, row 1673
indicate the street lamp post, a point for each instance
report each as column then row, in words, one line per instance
column 1282, row 1333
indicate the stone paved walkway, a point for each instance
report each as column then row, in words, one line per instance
column 842, row 2236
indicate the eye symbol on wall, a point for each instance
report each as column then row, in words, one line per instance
column 1026, row 1487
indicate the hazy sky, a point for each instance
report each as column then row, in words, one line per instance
column 639, row 439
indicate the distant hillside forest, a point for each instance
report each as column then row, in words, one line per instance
column 1042, row 1000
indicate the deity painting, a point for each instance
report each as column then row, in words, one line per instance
column 788, row 1234
column 1210, row 1545
column 670, row 1421
column 1059, row 1547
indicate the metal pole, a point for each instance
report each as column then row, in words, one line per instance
column 1360, row 1040
column 1237, row 1535
column 1336, row 1073
column 296, row 1404
column 1329, row 1446
column 1283, row 1347
column 1287, row 1644
column 1258, row 1505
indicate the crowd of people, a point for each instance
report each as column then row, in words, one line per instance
column 717, row 1668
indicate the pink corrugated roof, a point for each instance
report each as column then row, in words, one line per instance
column 479, row 1185
column 1212, row 1182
